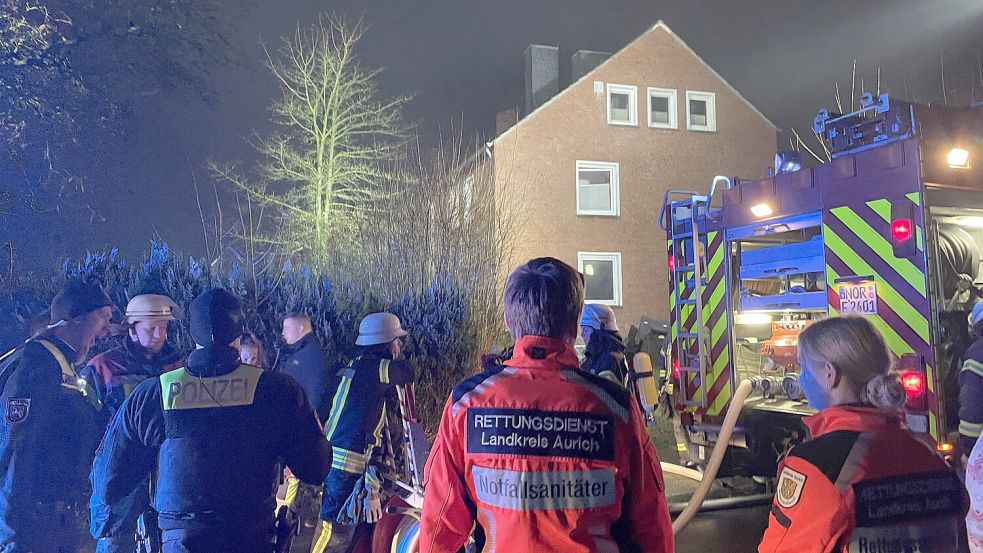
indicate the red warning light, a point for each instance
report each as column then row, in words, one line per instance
column 675, row 369
column 901, row 230
column 672, row 262
column 914, row 384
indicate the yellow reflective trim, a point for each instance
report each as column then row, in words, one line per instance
column 348, row 461
column 290, row 497
column 321, row 544
column 885, row 291
column 681, row 447
column 337, row 405
column 970, row 429
column 69, row 378
column 972, row 366
column 182, row 390
column 881, row 247
column 384, row 371
column 894, row 342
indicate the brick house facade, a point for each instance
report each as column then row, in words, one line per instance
column 589, row 167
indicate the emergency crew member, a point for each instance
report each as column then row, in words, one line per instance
column 219, row 429
column 358, row 415
column 544, row 456
column 604, row 355
column 971, row 386
column 49, row 428
column 861, row 482
column 304, row 360
column 145, row 353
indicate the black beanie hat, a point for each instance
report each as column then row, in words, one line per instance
column 216, row 317
column 78, row 298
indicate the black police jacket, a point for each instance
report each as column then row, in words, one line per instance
column 48, row 432
column 219, row 429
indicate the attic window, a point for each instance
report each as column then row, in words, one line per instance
column 701, row 111
column 622, row 105
column 662, row 108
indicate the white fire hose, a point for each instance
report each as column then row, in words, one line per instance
column 716, row 458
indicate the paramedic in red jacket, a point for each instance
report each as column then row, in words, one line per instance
column 861, row 482
column 544, row 456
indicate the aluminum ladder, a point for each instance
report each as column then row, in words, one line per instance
column 692, row 347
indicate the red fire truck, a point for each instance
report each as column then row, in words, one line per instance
column 891, row 228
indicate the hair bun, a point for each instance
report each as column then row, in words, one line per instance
column 885, row 391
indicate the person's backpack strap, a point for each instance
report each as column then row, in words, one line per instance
column 69, row 378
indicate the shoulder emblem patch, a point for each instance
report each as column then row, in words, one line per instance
column 790, row 485
column 17, row 409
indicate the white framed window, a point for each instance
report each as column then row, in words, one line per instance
column 622, row 105
column 662, row 108
column 602, row 276
column 597, row 188
column 701, row 111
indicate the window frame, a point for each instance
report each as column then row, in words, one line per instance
column 671, row 95
column 632, row 92
column 616, row 274
column 615, row 186
column 711, row 101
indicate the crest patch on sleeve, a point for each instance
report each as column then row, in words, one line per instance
column 790, row 485
column 17, row 409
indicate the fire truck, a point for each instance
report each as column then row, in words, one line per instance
column 890, row 228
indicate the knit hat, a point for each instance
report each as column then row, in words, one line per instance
column 216, row 317
column 976, row 316
column 151, row 307
column 599, row 317
column 76, row 299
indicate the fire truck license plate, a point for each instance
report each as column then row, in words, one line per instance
column 858, row 298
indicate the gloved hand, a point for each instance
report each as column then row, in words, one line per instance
column 372, row 504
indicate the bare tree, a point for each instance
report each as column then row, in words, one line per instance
column 336, row 140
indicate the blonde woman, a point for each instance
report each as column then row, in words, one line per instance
column 861, row 482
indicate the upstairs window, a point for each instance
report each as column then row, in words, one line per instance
column 701, row 111
column 597, row 188
column 622, row 105
column 662, row 108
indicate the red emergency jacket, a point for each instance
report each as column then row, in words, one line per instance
column 544, row 457
column 863, row 483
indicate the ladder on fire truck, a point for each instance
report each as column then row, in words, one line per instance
column 688, row 269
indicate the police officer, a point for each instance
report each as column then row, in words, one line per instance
column 861, row 482
column 49, row 429
column 544, row 456
column 219, row 429
column 604, row 353
column 355, row 425
column 145, row 353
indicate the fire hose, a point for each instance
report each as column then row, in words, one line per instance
column 716, row 458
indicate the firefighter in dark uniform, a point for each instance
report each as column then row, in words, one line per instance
column 113, row 375
column 49, row 428
column 604, row 352
column 354, row 428
column 971, row 386
column 217, row 431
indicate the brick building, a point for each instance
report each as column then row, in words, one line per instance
column 588, row 166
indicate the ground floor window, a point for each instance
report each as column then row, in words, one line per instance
column 602, row 276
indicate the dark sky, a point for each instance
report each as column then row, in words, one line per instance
column 463, row 61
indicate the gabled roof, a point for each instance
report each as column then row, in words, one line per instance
column 659, row 25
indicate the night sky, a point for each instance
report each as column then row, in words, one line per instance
column 463, row 61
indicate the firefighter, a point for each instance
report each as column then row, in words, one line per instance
column 971, row 386
column 145, row 353
column 541, row 455
column 604, row 353
column 861, row 482
column 49, row 428
column 219, row 429
column 354, row 428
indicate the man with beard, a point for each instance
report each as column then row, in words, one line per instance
column 145, row 353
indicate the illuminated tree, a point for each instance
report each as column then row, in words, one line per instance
column 335, row 142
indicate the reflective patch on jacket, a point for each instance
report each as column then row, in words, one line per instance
column 182, row 390
column 545, row 490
